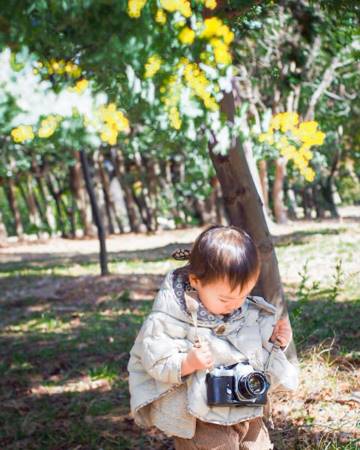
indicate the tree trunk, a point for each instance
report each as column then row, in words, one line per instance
column 3, row 232
column 96, row 213
column 152, row 176
column 11, row 195
column 290, row 193
column 168, row 187
column 56, row 194
column 118, row 162
column 36, row 215
column 245, row 210
column 47, row 202
column 307, row 202
column 278, row 191
column 78, row 191
column 105, row 184
column 142, row 197
column 263, row 175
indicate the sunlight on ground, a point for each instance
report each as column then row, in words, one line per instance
column 66, row 333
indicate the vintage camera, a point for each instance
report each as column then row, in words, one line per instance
column 238, row 384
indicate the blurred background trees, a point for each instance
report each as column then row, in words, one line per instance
column 149, row 78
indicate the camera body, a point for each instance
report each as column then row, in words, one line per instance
column 238, row 385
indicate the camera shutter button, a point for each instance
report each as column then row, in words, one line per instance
column 220, row 329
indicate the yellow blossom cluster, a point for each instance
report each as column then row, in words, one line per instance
column 48, row 126
column 113, row 122
column 191, row 75
column 60, row 67
column 171, row 100
column 160, row 16
column 210, row 4
column 220, row 37
column 135, row 7
column 152, row 66
column 181, row 6
column 294, row 140
column 195, row 78
column 187, row 36
column 80, row 86
column 22, row 133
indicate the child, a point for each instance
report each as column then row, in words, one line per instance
column 203, row 317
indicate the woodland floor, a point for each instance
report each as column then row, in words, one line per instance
column 65, row 333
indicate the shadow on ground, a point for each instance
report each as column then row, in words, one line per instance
column 39, row 261
column 63, row 378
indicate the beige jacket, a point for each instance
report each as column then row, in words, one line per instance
column 160, row 396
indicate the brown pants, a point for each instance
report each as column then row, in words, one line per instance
column 249, row 435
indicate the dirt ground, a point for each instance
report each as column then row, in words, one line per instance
column 51, row 294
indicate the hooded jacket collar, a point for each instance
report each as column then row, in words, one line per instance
column 171, row 300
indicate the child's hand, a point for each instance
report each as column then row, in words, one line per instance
column 198, row 358
column 282, row 332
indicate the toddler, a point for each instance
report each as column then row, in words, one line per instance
column 203, row 317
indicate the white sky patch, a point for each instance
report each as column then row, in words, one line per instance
column 36, row 98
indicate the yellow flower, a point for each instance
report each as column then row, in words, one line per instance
column 114, row 122
column 187, row 36
column 175, row 118
column 160, row 16
column 221, row 51
column 109, row 135
column 135, row 7
column 211, row 27
column 22, row 133
column 48, row 127
column 210, row 4
column 152, row 66
column 226, row 34
column 182, row 6
column 309, row 174
column 267, row 137
column 288, row 121
column 80, row 86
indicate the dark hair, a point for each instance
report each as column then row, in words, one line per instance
column 224, row 252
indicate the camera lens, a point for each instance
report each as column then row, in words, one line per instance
column 255, row 384
column 251, row 385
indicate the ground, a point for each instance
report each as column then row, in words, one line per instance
column 66, row 333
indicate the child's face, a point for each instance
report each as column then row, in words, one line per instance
column 217, row 296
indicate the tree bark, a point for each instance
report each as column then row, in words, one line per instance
column 26, row 190
column 278, row 191
column 131, row 207
column 47, row 202
column 105, row 184
column 246, row 211
column 3, row 231
column 96, row 213
column 78, row 191
column 56, row 194
column 263, row 174
column 11, row 195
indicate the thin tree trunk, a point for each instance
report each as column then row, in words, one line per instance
column 245, row 210
column 26, row 190
column 118, row 161
column 278, row 191
column 142, row 197
column 56, row 194
column 11, row 195
column 47, row 202
column 96, row 213
column 3, row 231
column 105, row 184
column 263, row 175
column 77, row 188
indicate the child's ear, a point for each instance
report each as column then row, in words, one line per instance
column 194, row 281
